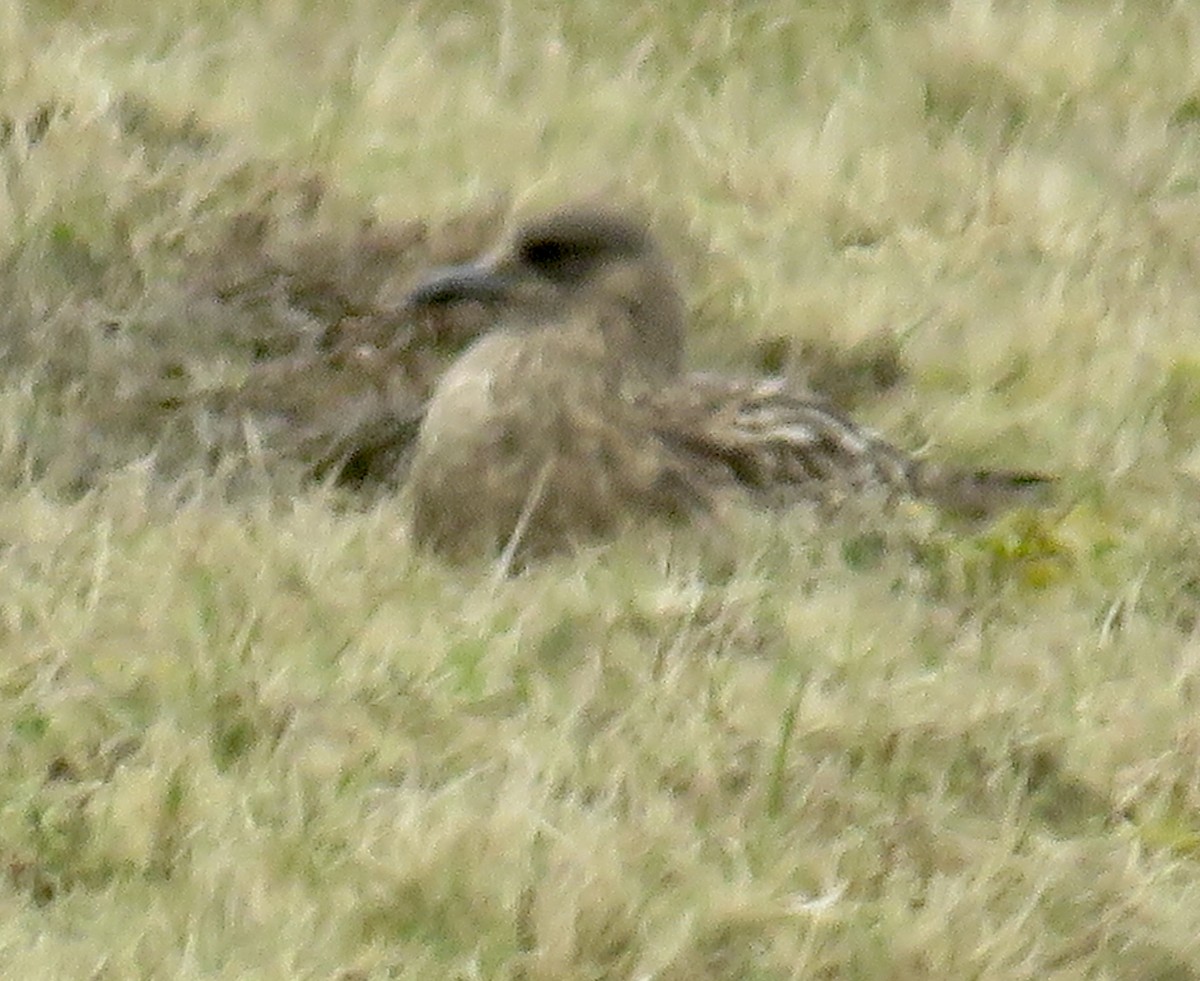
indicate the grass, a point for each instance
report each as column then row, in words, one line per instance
column 249, row 732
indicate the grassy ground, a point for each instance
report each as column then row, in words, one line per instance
column 249, row 733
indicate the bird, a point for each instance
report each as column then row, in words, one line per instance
column 571, row 416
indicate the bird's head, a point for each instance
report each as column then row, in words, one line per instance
column 588, row 263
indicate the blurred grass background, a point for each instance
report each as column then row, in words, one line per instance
column 250, row 733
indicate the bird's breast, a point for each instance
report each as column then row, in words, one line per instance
column 461, row 407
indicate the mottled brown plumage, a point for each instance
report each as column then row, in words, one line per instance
column 571, row 418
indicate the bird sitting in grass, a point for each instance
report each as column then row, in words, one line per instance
column 571, row 418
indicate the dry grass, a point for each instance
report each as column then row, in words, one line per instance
column 248, row 732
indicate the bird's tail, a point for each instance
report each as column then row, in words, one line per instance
column 980, row 493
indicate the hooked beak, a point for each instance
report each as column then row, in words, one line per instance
column 454, row 284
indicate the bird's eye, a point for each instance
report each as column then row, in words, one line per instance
column 559, row 260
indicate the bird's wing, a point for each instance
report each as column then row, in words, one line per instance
column 776, row 441
column 785, row 444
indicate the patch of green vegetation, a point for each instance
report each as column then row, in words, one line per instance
column 1181, row 403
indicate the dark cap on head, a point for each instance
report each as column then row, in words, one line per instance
column 566, row 246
